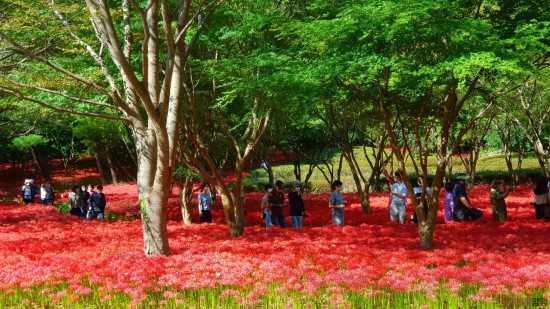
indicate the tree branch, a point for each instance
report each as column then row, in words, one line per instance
column 56, row 67
column 20, row 96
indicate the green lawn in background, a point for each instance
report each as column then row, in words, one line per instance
column 490, row 166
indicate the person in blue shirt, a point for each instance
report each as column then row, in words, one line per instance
column 337, row 203
column 204, row 201
column 97, row 204
column 464, row 211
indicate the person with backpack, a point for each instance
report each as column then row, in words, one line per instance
column 266, row 213
column 337, row 203
column 97, row 204
column 449, row 205
column 26, row 193
column 464, row 211
column 73, row 199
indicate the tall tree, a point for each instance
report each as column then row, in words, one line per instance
column 422, row 64
column 137, row 51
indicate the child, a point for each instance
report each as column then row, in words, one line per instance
column 337, row 204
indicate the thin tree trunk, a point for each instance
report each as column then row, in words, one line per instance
column 186, row 193
column 359, row 184
column 102, row 173
column 35, row 161
column 111, row 167
column 297, row 170
column 340, row 163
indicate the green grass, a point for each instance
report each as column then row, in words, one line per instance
column 66, row 208
column 489, row 167
column 336, row 297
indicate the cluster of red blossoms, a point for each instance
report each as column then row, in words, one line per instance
column 40, row 246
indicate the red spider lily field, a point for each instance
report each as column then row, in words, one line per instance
column 51, row 259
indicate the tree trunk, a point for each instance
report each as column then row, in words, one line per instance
column 310, row 170
column 35, row 161
column 541, row 157
column 186, row 193
column 270, row 174
column 357, row 178
column 340, row 163
column 297, row 170
column 45, row 167
column 153, row 188
column 426, row 232
column 111, row 167
column 229, row 203
column 102, row 173
column 364, row 197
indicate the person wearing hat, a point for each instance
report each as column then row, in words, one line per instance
column 398, row 197
column 464, row 211
column 497, row 200
column 297, row 210
column 276, row 204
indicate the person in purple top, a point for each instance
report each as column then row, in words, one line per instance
column 449, row 201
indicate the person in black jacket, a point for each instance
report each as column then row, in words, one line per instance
column 297, row 210
column 464, row 211
column 84, row 197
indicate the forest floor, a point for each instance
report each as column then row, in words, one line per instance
column 52, row 259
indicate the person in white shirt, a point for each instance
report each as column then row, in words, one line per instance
column 398, row 196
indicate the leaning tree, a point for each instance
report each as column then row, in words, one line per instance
column 130, row 63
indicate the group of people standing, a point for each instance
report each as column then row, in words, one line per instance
column 273, row 204
column 83, row 201
column 29, row 191
column 457, row 206
column 87, row 203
